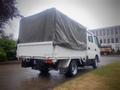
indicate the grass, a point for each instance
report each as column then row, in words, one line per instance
column 104, row 78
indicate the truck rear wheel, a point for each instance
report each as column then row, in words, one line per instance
column 72, row 69
column 44, row 70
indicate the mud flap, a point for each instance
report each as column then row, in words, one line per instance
column 63, row 65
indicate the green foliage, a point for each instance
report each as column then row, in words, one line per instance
column 3, row 56
column 7, row 44
column 8, row 11
column 113, row 51
column 7, row 49
column 118, row 52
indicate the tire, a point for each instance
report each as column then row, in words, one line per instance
column 72, row 69
column 44, row 71
column 95, row 63
column 43, row 68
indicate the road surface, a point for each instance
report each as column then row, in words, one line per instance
column 13, row 77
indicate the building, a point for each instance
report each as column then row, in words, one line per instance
column 109, row 36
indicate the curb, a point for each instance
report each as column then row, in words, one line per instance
column 10, row 62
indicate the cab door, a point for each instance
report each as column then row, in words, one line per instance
column 90, row 46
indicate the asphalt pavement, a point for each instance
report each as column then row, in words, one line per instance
column 14, row 77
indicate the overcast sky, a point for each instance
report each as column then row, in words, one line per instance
column 90, row 13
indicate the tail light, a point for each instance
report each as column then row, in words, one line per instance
column 49, row 61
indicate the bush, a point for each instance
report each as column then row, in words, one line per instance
column 3, row 55
column 118, row 52
column 7, row 49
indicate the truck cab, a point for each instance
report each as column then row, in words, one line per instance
column 93, row 46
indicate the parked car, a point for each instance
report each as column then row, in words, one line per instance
column 106, row 50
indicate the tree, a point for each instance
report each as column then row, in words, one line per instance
column 8, row 11
column 118, row 51
column 2, row 34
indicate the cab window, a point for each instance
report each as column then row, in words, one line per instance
column 96, row 41
column 90, row 38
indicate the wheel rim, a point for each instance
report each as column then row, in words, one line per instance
column 74, row 69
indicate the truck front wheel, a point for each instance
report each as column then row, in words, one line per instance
column 95, row 62
column 72, row 69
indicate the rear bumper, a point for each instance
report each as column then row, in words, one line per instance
column 37, row 64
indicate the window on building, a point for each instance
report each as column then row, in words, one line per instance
column 112, row 32
column 108, row 32
column 112, row 40
column 116, row 31
column 100, row 32
column 103, row 31
column 108, row 40
column 116, row 40
column 104, row 40
column 100, row 41
column 119, row 29
column 96, row 33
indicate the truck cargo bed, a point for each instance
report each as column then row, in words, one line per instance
column 39, row 50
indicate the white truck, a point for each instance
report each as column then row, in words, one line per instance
column 51, row 40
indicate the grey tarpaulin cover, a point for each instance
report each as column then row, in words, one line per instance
column 52, row 25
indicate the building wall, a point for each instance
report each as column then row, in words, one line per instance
column 108, row 36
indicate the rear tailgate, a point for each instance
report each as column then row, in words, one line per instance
column 35, row 49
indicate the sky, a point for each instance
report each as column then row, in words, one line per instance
column 90, row 13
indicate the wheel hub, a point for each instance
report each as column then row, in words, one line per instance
column 74, row 69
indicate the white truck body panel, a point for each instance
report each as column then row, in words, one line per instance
column 70, row 53
column 44, row 50
column 37, row 49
